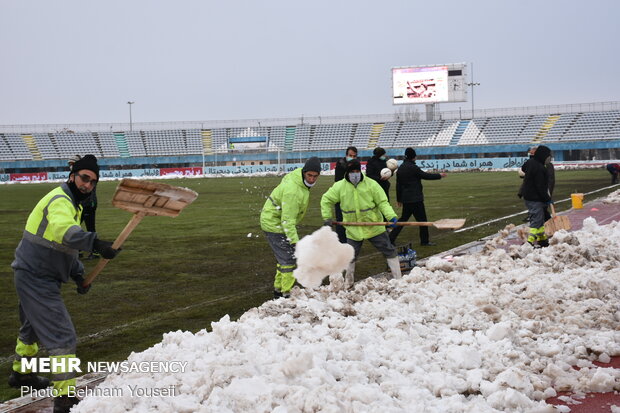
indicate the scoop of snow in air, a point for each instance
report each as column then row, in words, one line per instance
column 320, row 254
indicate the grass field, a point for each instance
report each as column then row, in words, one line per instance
column 183, row 273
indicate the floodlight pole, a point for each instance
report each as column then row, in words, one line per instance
column 130, row 121
column 472, row 84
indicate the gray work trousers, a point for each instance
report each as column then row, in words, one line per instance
column 536, row 211
column 381, row 242
column 43, row 314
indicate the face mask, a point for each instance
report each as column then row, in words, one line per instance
column 383, row 158
column 355, row 178
column 309, row 185
column 349, row 159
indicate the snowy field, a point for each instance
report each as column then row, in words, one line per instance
column 494, row 331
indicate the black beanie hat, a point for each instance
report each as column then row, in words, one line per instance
column 378, row 151
column 354, row 165
column 410, row 153
column 87, row 162
column 312, row 164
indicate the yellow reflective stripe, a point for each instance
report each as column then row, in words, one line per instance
column 288, row 281
column 277, row 283
column 60, row 369
column 24, row 349
column 62, row 387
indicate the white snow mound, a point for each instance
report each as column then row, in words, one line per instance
column 496, row 331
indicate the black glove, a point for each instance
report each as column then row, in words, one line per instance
column 104, row 248
column 328, row 222
column 79, row 281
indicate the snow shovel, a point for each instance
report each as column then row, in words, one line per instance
column 448, row 223
column 144, row 198
column 556, row 223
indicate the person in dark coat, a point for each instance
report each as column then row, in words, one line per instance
column 341, row 169
column 409, row 194
column 536, row 195
column 89, row 206
column 550, row 177
column 374, row 167
column 613, row 169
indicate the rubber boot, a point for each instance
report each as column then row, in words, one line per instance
column 349, row 276
column 62, row 404
column 394, row 265
column 18, row 380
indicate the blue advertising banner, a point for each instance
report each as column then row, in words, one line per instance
column 437, row 164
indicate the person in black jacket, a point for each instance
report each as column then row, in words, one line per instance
column 341, row 169
column 536, row 195
column 409, row 195
column 374, row 167
column 550, row 177
column 89, row 206
column 614, row 170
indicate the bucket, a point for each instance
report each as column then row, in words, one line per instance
column 577, row 200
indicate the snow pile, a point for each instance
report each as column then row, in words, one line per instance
column 320, row 254
column 499, row 330
column 613, row 198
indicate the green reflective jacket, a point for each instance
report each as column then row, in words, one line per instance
column 286, row 206
column 53, row 237
column 365, row 203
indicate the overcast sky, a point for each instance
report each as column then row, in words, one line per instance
column 77, row 61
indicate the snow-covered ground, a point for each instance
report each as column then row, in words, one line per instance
column 494, row 331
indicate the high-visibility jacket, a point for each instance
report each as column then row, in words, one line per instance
column 286, row 206
column 53, row 237
column 365, row 202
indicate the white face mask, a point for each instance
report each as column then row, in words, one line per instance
column 355, row 178
column 309, row 185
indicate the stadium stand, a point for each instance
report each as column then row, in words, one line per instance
column 361, row 136
column 443, row 133
column 135, row 144
column 66, row 143
column 277, row 136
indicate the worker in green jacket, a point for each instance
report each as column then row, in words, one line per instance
column 46, row 257
column 283, row 210
column 362, row 200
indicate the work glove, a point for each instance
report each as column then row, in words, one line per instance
column 549, row 202
column 393, row 222
column 104, row 248
column 328, row 222
column 79, row 281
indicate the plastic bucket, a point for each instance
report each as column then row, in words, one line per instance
column 577, row 200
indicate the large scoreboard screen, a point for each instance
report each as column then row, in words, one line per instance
column 428, row 84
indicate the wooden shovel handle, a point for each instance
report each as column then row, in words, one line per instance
column 383, row 224
column 118, row 242
column 552, row 209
